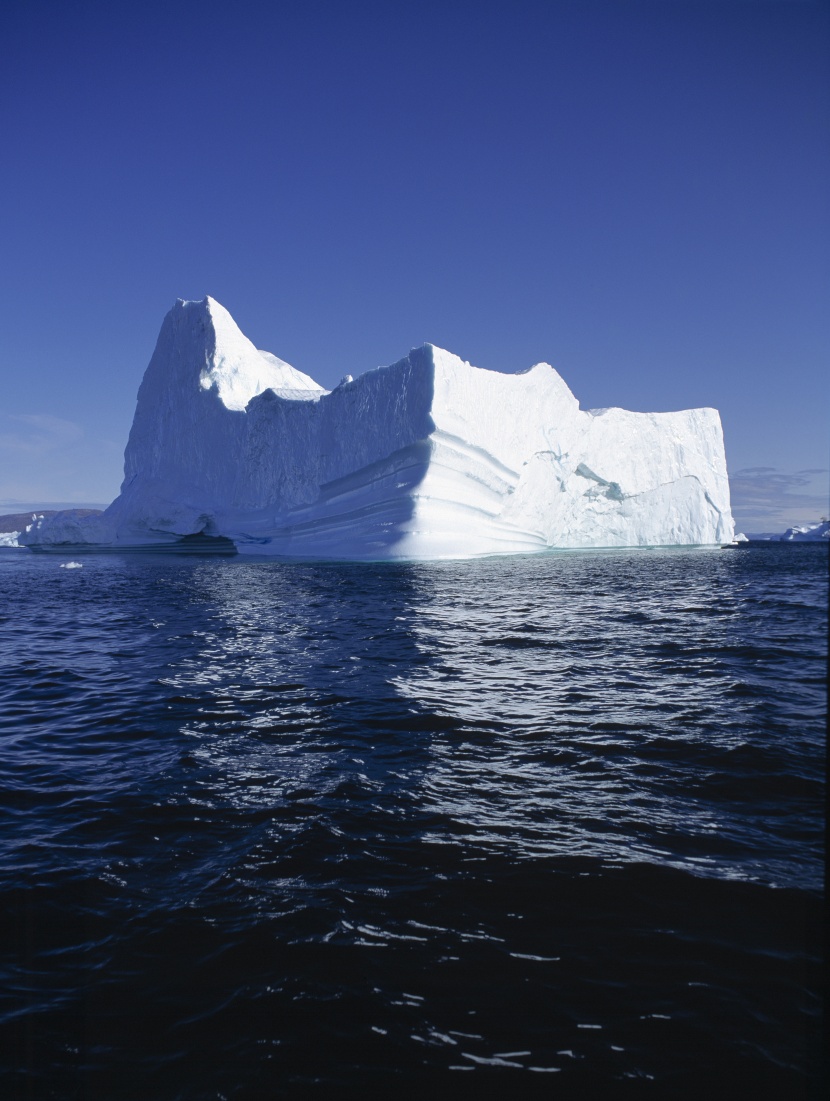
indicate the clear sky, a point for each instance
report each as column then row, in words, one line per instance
column 635, row 191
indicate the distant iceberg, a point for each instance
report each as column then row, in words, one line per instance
column 809, row 533
column 232, row 448
column 812, row 533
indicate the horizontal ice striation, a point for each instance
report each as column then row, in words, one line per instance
column 427, row 458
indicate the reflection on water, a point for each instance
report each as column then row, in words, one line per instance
column 606, row 704
column 288, row 829
column 298, row 667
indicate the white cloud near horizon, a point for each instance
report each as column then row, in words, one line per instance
column 767, row 499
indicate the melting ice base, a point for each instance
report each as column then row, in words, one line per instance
column 427, row 458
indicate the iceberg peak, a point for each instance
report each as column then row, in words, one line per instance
column 232, row 365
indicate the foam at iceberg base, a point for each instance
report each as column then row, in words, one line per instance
column 427, row 458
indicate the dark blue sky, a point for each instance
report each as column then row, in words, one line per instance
column 633, row 191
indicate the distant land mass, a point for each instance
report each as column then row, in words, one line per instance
column 19, row 521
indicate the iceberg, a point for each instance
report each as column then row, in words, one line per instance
column 808, row 533
column 818, row 532
column 232, row 449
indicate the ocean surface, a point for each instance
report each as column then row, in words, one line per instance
column 545, row 826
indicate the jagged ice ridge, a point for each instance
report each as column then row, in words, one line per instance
column 427, row 458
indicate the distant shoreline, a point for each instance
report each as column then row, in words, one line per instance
column 18, row 521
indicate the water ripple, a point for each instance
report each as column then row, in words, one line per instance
column 484, row 822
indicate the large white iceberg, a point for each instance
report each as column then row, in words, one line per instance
column 427, row 458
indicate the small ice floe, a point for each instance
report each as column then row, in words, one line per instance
column 72, row 565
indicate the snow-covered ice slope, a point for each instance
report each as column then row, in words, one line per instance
column 427, row 458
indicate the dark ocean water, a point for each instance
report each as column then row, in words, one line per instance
column 525, row 827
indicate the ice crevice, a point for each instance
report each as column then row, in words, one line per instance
column 427, row 458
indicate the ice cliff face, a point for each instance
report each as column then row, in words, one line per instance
column 427, row 458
